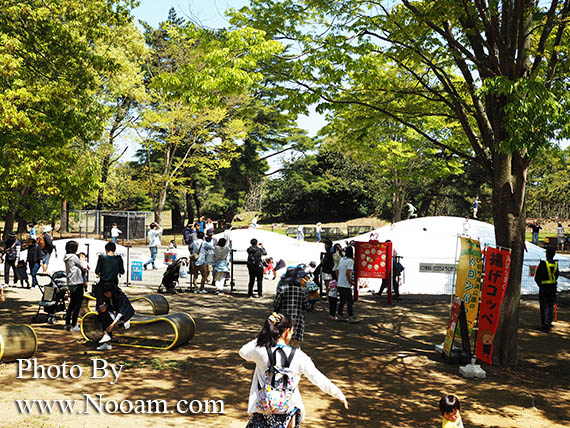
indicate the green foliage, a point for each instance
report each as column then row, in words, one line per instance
column 549, row 184
column 327, row 186
column 54, row 57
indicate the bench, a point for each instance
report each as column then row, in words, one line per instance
column 358, row 230
column 158, row 304
column 331, row 232
column 147, row 331
column 17, row 341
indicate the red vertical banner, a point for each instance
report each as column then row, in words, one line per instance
column 497, row 269
column 373, row 259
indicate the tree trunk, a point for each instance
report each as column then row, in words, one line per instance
column 64, row 224
column 189, row 207
column 197, row 201
column 9, row 223
column 176, row 217
column 22, row 225
column 509, row 185
column 104, row 175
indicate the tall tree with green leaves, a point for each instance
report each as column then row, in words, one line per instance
column 198, row 88
column 498, row 70
column 52, row 57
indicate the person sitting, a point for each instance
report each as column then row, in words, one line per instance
column 116, row 308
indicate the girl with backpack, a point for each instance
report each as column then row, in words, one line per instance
column 274, row 397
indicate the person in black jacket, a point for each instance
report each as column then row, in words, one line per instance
column 327, row 265
column 34, row 259
column 108, row 269
column 116, row 308
column 255, row 267
column 546, row 278
column 12, row 247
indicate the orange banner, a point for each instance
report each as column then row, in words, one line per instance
column 497, row 269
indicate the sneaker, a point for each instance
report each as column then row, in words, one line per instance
column 76, row 328
column 202, row 292
column 67, row 327
column 332, row 317
column 105, row 347
column 106, row 338
column 127, row 325
column 353, row 320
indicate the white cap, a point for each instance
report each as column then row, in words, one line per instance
column 47, row 228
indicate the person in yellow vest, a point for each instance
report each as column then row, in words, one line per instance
column 546, row 279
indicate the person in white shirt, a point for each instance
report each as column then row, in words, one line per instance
column 344, row 283
column 115, row 232
column 276, row 333
column 153, row 242
column 221, row 267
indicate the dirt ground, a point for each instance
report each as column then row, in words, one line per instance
column 386, row 366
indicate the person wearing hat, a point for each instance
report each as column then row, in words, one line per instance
column 45, row 241
column 12, row 247
column 115, row 308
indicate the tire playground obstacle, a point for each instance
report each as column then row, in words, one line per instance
column 158, row 304
column 17, row 341
column 152, row 332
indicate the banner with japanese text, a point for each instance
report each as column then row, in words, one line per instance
column 468, row 282
column 451, row 326
column 497, row 269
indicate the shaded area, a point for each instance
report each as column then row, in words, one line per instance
column 386, row 365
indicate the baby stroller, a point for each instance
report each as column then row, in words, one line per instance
column 53, row 296
column 173, row 272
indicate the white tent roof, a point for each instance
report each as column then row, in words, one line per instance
column 426, row 240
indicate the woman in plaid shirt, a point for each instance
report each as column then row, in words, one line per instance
column 292, row 299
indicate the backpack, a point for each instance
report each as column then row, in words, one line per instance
column 187, row 235
column 276, row 393
column 254, row 258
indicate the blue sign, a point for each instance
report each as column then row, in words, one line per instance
column 136, row 270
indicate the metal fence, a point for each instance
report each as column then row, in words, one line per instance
column 97, row 224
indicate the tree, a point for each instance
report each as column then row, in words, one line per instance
column 498, row 70
column 53, row 58
column 199, row 81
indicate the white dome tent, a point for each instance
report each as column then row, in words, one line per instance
column 420, row 241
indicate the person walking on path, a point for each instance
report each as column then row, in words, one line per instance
column 34, row 259
column 12, row 247
column 300, row 234
column 202, row 248
column 293, row 300
column 546, row 278
column 535, row 228
column 115, row 232
column 255, row 254
column 560, row 236
column 154, row 234
column 344, row 284
column 45, row 241
column 273, row 340
column 32, row 231
column 221, row 268
column 74, row 268
column 318, row 231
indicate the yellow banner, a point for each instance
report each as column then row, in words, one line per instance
column 468, row 283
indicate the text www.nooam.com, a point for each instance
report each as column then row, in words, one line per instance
column 97, row 404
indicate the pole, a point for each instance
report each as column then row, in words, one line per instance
column 128, row 265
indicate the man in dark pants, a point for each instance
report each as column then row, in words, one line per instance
column 546, row 279
column 255, row 267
